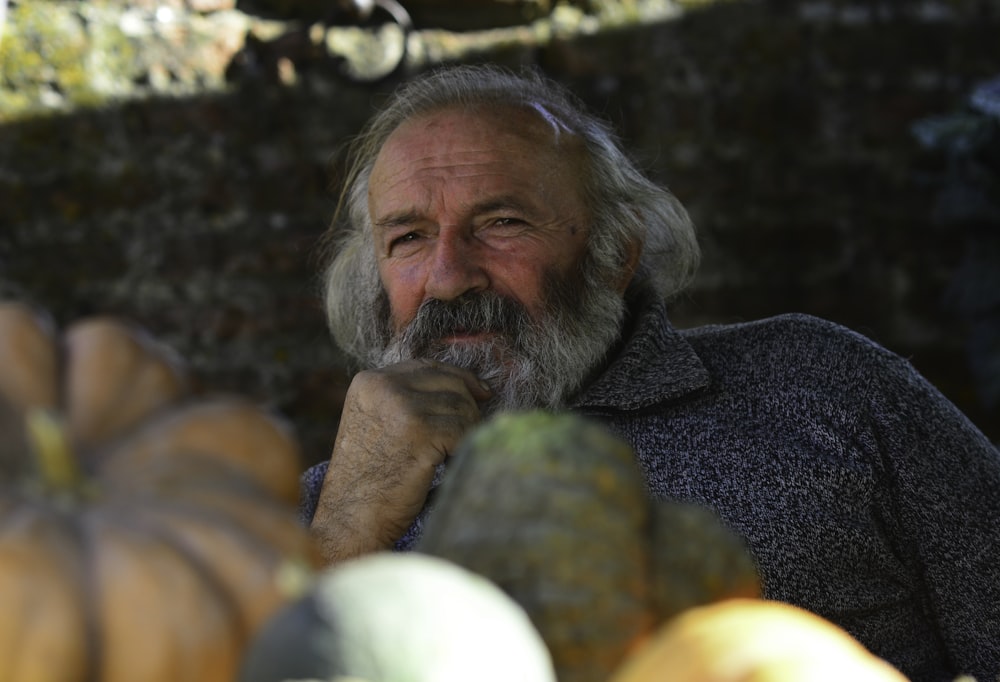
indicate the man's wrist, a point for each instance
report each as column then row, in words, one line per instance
column 337, row 541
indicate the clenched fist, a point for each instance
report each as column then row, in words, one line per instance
column 398, row 424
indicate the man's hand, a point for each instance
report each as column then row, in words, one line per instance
column 398, row 423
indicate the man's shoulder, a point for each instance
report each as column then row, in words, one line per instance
column 785, row 329
column 792, row 338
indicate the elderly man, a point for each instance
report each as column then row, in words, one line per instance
column 498, row 250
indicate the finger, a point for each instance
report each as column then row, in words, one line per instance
column 448, row 404
column 477, row 388
column 422, row 390
column 448, row 433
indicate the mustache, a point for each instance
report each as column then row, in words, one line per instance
column 471, row 313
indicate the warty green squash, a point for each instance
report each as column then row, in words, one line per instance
column 553, row 508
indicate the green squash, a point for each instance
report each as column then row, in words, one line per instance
column 553, row 508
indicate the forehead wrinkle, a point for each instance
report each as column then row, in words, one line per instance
column 441, row 172
column 507, row 128
column 434, row 165
column 533, row 132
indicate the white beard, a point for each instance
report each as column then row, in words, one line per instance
column 531, row 363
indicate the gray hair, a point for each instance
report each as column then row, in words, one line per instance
column 625, row 207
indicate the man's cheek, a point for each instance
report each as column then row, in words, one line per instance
column 401, row 299
column 400, row 314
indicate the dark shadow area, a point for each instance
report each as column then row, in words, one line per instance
column 788, row 131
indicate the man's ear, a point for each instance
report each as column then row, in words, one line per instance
column 633, row 250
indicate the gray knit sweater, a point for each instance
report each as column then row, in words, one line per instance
column 863, row 494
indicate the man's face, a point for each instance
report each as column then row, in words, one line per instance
column 475, row 201
column 480, row 234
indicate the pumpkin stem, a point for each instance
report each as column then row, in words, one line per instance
column 53, row 455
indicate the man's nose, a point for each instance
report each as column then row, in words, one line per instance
column 456, row 268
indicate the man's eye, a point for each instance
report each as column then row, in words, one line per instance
column 404, row 239
column 508, row 222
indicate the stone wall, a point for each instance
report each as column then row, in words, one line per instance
column 192, row 200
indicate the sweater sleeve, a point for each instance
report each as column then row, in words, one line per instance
column 310, row 484
column 945, row 483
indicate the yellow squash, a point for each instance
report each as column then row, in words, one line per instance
column 753, row 640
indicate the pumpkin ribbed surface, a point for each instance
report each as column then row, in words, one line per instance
column 142, row 534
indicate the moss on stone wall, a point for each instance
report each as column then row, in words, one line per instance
column 43, row 59
column 59, row 56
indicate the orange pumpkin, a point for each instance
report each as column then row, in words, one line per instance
column 744, row 640
column 142, row 534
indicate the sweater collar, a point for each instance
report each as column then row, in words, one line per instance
column 655, row 364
